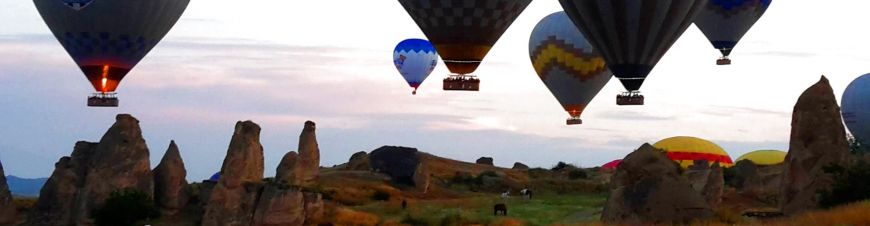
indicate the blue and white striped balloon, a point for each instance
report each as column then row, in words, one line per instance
column 856, row 108
column 415, row 59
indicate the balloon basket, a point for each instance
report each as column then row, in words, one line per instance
column 573, row 121
column 462, row 83
column 629, row 98
column 723, row 61
column 103, row 100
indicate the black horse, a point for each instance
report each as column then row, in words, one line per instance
column 499, row 208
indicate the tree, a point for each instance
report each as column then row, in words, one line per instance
column 125, row 207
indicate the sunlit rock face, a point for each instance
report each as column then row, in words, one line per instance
column 234, row 197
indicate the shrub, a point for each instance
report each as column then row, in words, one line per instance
column 381, row 196
column 562, row 165
column 576, row 174
column 125, row 207
column 850, row 184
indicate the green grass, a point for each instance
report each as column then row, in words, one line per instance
column 542, row 210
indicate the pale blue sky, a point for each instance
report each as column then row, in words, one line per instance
column 280, row 63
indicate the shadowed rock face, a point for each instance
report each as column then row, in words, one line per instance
column 484, row 161
column 57, row 198
column 7, row 210
column 818, row 139
column 400, row 163
column 648, row 189
column 233, row 199
column 170, row 183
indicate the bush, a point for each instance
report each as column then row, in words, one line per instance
column 576, row 174
column 381, row 196
column 850, row 184
column 562, row 165
column 125, row 207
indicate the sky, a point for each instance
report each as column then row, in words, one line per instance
column 279, row 63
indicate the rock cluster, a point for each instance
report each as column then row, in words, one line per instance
column 84, row 180
column 241, row 197
column 818, row 139
column 647, row 189
column 708, row 180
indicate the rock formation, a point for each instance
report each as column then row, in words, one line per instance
column 760, row 182
column 359, row 161
column 520, row 166
column 120, row 161
column 7, row 210
column 83, row 181
column 286, row 168
column 818, row 139
column 170, row 183
column 484, row 161
column 707, row 180
column 715, row 186
column 648, row 189
column 57, row 198
column 309, row 156
column 400, row 163
column 233, row 199
column 280, row 205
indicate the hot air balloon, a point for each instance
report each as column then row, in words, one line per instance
column 687, row 150
column 612, row 165
column 567, row 64
column 463, row 32
column 415, row 59
column 724, row 22
column 107, row 38
column 763, row 157
column 856, row 108
column 632, row 35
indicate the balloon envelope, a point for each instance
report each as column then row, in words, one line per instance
column 724, row 22
column 567, row 64
column 686, row 150
column 764, row 157
column 856, row 108
column 107, row 38
column 632, row 35
column 463, row 31
column 612, row 165
column 415, row 59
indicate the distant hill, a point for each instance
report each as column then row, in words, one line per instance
column 26, row 187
